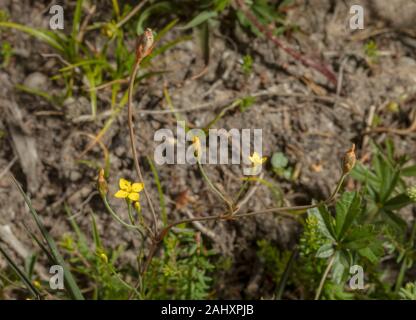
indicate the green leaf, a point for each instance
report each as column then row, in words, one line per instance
column 199, row 19
column 360, row 237
column 338, row 269
column 159, row 7
column 44, row 35
column 394, row 220
column 363, row 174
column 318, row 213
column 204, row 39
column 95, row 233
column 325, row 251
column 397, row 202
column 279, row 160
column 372, row 253
column 389, row 183
column 409, row 171
column 347, row 209
column 30, row 262
column 22, row 275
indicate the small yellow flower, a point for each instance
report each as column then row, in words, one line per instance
column 128, row 190
column 256, row 160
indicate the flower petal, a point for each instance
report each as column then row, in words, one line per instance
column 137, row 187
column 121, row 194
column 256, row 159
column 134, row 196
column 125, row 185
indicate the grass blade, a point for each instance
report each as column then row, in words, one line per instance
column 25, row 279
column 43, row 35
column 73, row 288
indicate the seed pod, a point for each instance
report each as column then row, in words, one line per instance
column 102, row 184
column 349, row 160
column 145, row 44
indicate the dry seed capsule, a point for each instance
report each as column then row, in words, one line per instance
column 349, row 160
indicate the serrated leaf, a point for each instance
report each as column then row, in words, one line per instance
column 328, row 220
column 347, row 209
column 321, row 223
column 360, row 237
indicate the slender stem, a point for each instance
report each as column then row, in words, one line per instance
column 132, row 140
column 324, row 276
column 213, row 188
column 131, row 14
column 130, row 212
column 116, row 217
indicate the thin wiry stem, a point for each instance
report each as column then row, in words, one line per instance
column 132, row 140
column 324, row 276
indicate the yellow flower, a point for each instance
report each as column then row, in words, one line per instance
column 128, row 190
column 137, row 206
column 256, row 160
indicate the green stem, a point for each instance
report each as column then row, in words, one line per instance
column 213, row 188
column 324, row 276
column 116, row 217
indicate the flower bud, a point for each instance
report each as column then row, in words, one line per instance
column 411, row 193
column 196, row 143
column 102, row 184
column 103, row 257
column 349, row 160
